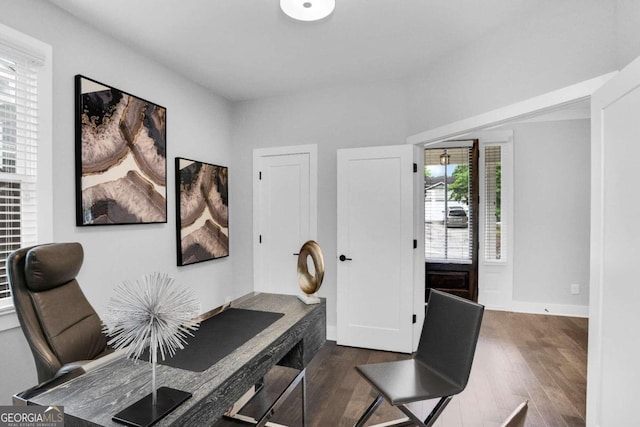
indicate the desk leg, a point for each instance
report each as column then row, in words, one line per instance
column 264, row 421
column 245, row 399
column 304, row 401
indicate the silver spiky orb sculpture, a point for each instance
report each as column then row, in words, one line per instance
column 151, row 312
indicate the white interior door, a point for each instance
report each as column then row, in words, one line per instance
column 375, row 248
column 612, row 373
column 285, row 214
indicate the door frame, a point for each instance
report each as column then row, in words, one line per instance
column 521, row 110
column 540, row 104
column 545, row 103
column 598, row 406
column 258, row 153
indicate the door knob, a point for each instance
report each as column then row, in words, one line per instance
column 344, row 258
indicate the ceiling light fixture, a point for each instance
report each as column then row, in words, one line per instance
column 307, row 10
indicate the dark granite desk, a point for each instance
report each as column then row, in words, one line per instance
column 93, row 398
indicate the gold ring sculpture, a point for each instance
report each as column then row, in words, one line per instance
column 309, row 284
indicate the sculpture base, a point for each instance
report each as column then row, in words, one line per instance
column 309, row 299
column 144, row 413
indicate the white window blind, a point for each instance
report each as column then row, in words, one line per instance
column 493, row 247
column 18, row 153
column 448, row 213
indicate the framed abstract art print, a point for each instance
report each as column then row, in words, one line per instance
column 202, row 215
column 121, row 166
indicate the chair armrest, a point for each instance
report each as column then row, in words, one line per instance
column 68, row 372
column 90, row 365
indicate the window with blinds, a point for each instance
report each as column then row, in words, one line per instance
column 448, row 218
column 18, row 154
column 493, row 248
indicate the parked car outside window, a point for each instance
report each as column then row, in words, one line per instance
column 457, row 217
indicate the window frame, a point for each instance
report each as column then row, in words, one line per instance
column 28, row 45
column 504, row 140
column 486, row 209
column 473, row 233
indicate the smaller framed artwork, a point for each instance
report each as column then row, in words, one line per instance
column 202, row 214
column 121, row 164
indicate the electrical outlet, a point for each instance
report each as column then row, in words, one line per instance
column 575, row 289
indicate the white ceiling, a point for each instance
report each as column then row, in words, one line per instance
column 244, row 49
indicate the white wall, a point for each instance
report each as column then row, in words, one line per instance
column 364, row 115
column 567, row 42
column 551, row 209
column 627, row 31
column 198, row 127
column 563, row 43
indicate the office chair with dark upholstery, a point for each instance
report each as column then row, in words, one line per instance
column 440, row 368
column 61, row 327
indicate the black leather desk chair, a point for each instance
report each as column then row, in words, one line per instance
column 441, row 366
column 61, row 327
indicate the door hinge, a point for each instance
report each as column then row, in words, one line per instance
column 414, row 319
column 415, row 243
column 415, row 168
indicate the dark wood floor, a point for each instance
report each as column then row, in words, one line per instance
column 519, row 356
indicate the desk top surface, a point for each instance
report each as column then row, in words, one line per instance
column 99, row 394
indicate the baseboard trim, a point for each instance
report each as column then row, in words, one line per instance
column 550, row 309
column 332, row 333
column 517, row 307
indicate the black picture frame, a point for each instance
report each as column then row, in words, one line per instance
column 121, row 162
column 202, row 213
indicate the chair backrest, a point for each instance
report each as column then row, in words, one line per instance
column 449, row 336
column 57, row 320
